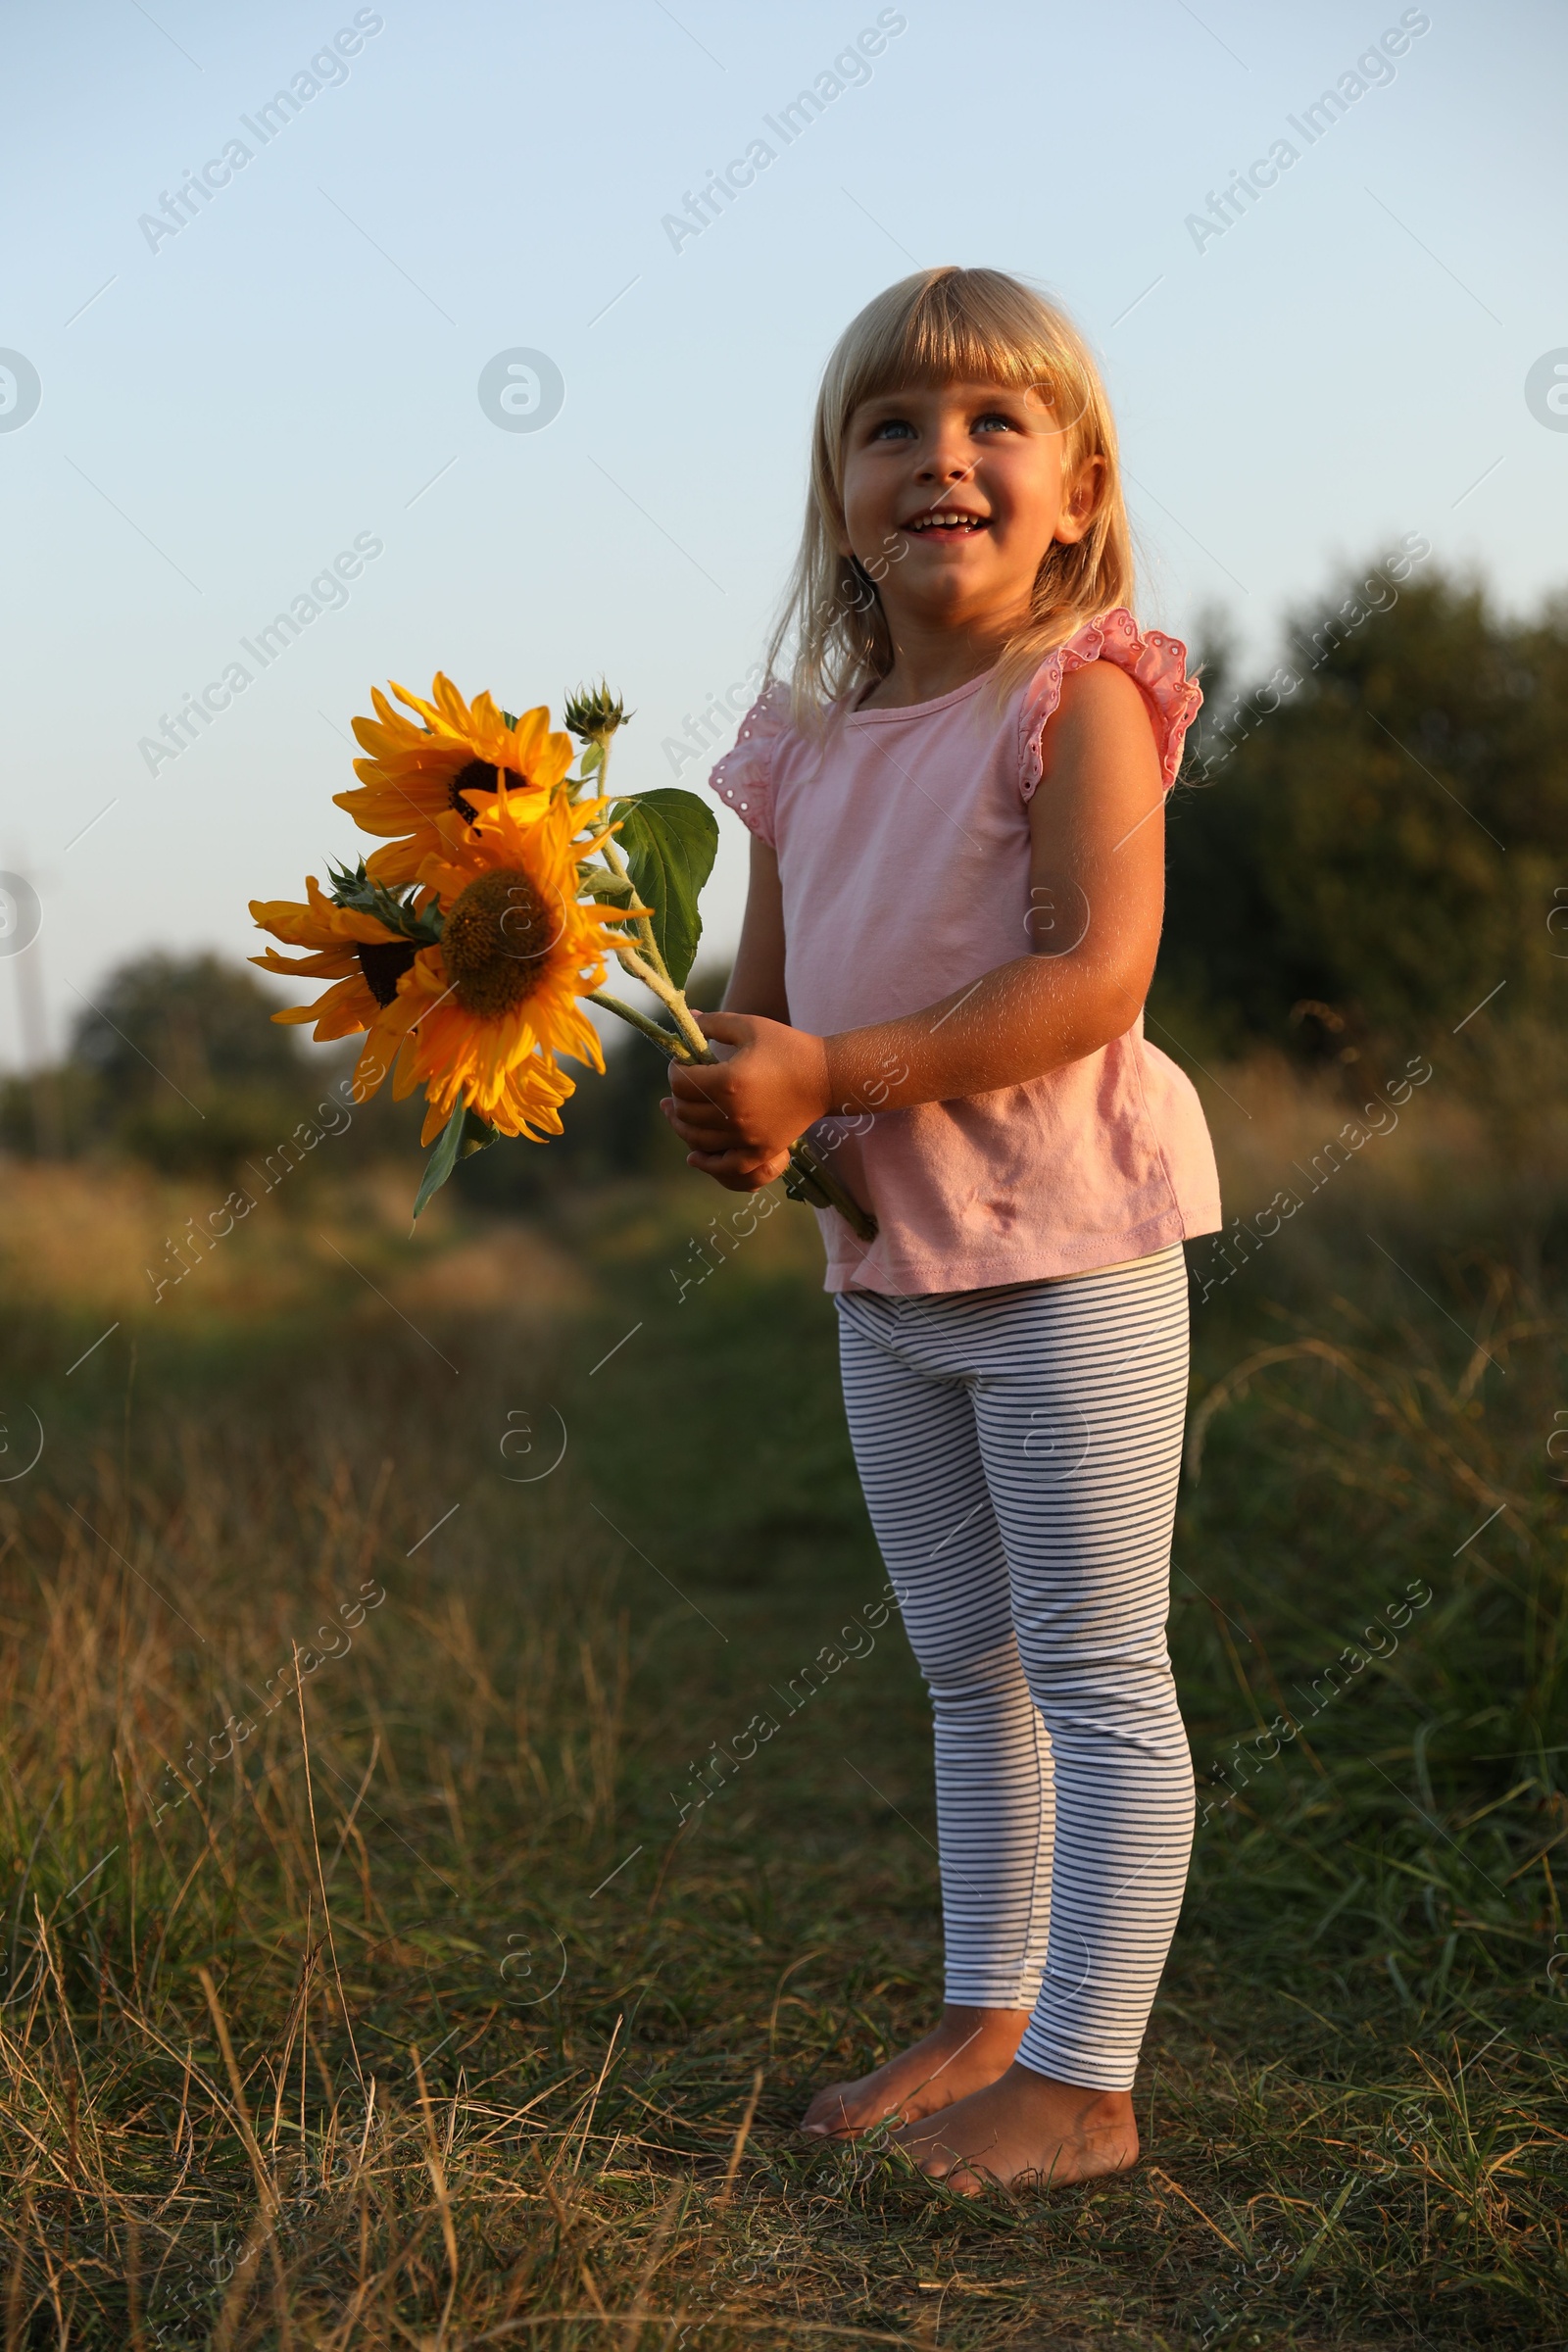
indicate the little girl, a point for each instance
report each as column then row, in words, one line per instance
column 955, row 906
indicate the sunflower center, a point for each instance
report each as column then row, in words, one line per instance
column 479, row 776
column 496, row 940
column 383, row 963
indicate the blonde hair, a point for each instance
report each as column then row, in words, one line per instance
column 942, row 326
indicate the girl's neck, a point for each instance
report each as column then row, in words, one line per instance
column 929, row 664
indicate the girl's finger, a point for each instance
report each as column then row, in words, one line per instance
column 743, row 1165
column 727, row 1028
column 716, row 1165
column 700, row 1128
column 699, row 1082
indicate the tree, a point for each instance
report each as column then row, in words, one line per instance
column 189, row 1070
column 1370, row 844
column 171, row 1024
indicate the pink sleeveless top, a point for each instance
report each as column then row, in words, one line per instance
column 903, row 850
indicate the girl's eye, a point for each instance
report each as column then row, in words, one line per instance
column 995, row 421
column 893, row 428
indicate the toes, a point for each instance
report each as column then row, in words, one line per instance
column 959, row 2173
column 832, row 2115
column 828, row 2115
column 950, row 2170
column 939, row 2160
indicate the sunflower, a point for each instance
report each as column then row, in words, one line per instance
column 359, row 953
column 444, row 766
column 499, row 999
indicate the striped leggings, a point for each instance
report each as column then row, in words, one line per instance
column 1020, row 1450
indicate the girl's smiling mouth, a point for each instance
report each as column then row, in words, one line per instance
column 946, row 521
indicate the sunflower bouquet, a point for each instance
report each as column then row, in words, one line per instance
column 467, row 947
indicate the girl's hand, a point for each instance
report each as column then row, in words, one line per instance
column 741, row 1115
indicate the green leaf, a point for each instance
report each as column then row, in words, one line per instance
column 669, row 839
column 397, row 911
column 600, row 883
column 463, row 1134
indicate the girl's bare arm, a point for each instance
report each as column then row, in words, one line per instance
column 1098, row 874
column 757, row 984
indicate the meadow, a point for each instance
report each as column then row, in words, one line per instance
column 413, row 1937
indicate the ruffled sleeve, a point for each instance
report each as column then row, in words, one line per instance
column 1156, row 663
column 744, row 778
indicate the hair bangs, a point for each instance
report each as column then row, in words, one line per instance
column 968, row 326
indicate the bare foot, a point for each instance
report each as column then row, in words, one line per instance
column 968, row 2049
column 1025, row 2131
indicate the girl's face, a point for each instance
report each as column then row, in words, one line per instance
column 952, row 497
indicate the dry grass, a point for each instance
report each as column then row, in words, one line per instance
column 286, row 2057
column 82, row 1240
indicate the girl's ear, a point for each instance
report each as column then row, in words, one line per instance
column 1081, row 502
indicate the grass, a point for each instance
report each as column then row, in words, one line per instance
column 416, row 2014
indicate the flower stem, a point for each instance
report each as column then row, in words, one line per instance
column 655, row 978
column 808, row 1179
column 615, row 860
column 665, row 1039
column 645, row 963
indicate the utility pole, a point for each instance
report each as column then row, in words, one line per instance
column 21, row 929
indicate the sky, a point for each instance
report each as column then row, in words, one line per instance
column 447, row 316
